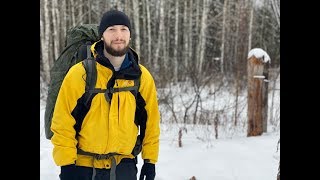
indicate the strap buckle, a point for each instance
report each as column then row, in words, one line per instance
column 110, row 90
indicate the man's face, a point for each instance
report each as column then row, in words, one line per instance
column 116, row 40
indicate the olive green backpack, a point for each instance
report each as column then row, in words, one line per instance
column 78, row 42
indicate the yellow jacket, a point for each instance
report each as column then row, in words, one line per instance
column 107, row 127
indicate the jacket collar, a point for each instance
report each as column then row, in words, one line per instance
column 129, row 68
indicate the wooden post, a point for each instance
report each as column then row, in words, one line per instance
column 265, row 97
column 257, row 92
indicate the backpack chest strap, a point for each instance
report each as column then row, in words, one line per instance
column 112, row 90
column 108, row 91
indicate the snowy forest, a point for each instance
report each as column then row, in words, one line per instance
column 197, row 52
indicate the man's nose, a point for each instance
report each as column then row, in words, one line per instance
column 117, row 34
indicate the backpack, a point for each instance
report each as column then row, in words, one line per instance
column 76, row 37
column 78, row 43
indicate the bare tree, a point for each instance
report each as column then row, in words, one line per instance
column 223, row 34
column 160, row 37
column 136, row 20
column 56, row 28
column 144, row 35
column 185, row 36
column 165, row 46
column 202, row 37
column 149, row 32
column 168, row 100
column 81, row 14
column 89, row 11
column 72, row 13
column 176, row 36
column 241, row 51
column 119, row 6
column 275, row 4
column 180, row 135
column 274, row 90
column 63, row 27
column 190, row 28
column 45, row 24
column 250, row 25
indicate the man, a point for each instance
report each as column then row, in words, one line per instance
column 103, row 147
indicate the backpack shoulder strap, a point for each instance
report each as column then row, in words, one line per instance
column 137, row 85
column 140, row 118
column 88, row 50
column 91, row 71
column 84, row 103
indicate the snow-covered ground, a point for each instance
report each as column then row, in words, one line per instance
column 225, row 158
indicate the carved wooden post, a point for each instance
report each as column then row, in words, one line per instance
column 257, row 92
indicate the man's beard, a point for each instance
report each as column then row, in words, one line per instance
column 114, row 52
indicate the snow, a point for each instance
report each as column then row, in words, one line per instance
column 259, row 54
column 225, row 158
column 259, row 77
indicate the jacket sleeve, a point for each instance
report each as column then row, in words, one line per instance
column 62, row 126
column 150, row 145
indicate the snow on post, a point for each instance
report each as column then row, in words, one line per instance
column 258, row 64
column 259, row 54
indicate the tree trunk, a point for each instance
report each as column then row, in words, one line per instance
column 175, row 49
column 190, row 18
column 274, row 89
column 160, row 37
column 237, row 99
column 242, row 40
column 72, row 13
column 136, row 22
column 202, row 37
column 56, row 29
column 265, row 97
column 81, row 14
column 149, row 32
column 45, row 42
column 275, row 4
column 250, row 26
column 237, row 64
column 166, row 69
column 41, row 41
column 235, row 60
column 89, row 12
column 63, row 27
column 119, row 6
column 105, row 7
column 144, row 35
column 223, row 34
column 186, row 39
column 197, row 5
